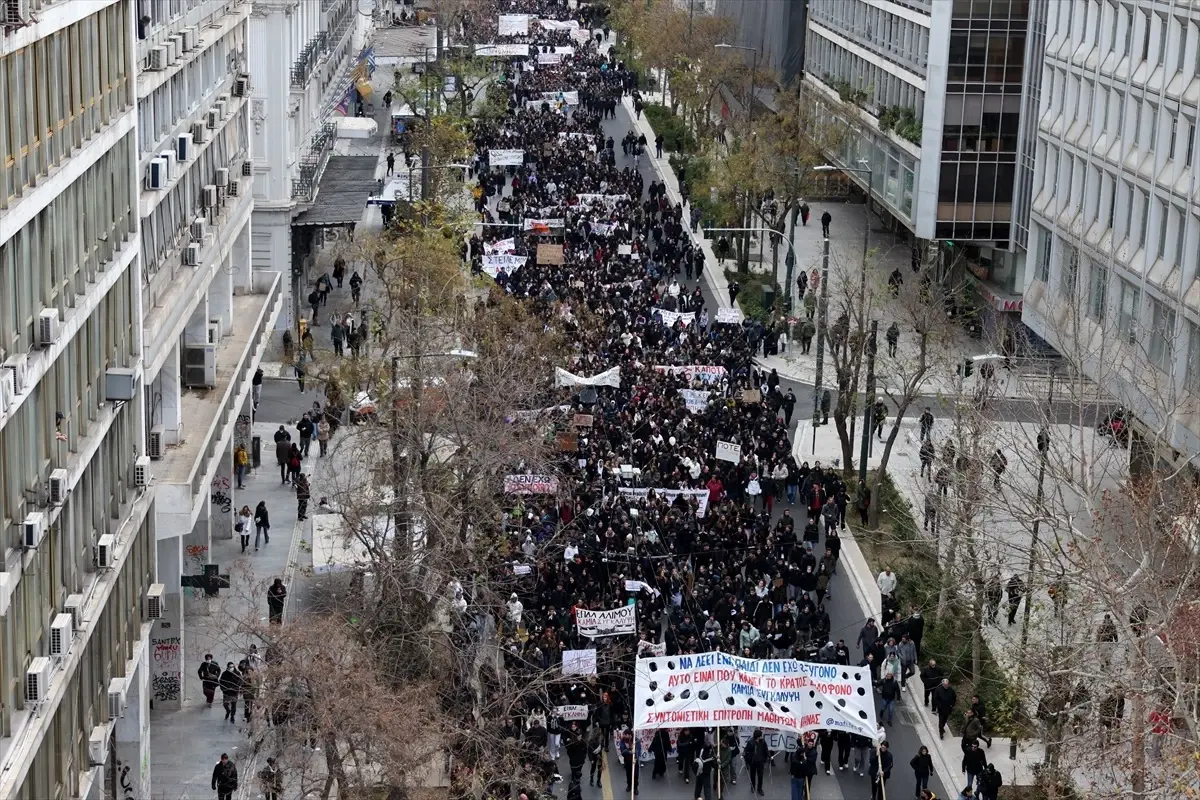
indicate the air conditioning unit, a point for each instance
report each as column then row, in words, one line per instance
column 48, row 326
column 106, row 546
column 199, row 133
column 247, row 169
column 183, row 148
column 155, row 607
column 157, row 178
column 8, row 391
column 157, row 60
column 235, row 188
column 18, row 365
column 191, row 255
column 120, row 384
column 116, row 698
column 188, row 37
column 222, row 177
column 214, row 334
column 58, row 487
column 199, row 228
column 98, row 746
column 200, row 366
column 212, row 118
column 169, row 157
column 37, row 679
column 209, row 198
column 62, row 630
column 223, row 103
column 141, row 472
column 241, row 87
column 35, row 530
column 74, row 607
column 18, row 14
column 155, row 447
column 174, row 48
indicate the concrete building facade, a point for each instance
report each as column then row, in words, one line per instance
column 1114, row 240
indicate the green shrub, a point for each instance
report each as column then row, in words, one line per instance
column 750, row 298
column 676, row 136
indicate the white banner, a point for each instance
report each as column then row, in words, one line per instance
column 777, row 741
column 669, row 318
column 706, row 374
column 549, row 58
column 701, row 496
column 544, row 225
column 510, row 264
column 610, row 377
column 728, row 451
column 504, row 246
column 506, row 158
column 732, row 316
column 514, row 24
column 640, row 586
column 696, row 400
column 581, row 35
column 651, row 649
column 570, row 98
column 711, row 689
column 614, row 622
column 571, row 713
column 608, row 200
column 502, row 50
column 602, row 228
column 579, row 662
column 556, row 25
column 575, row 134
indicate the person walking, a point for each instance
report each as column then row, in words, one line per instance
column 944, row 699
column 926, row 425
column 826, row 218
column 802, row 772
column 889, row 693
column 595, row 751
column 893, row 339
column 391, row 163
column 231, row 687
column 922, row 767
column 262, row 524
column 276, row 597
column 628, row 750
column 927, row 454
column 242, row 527
column 210, row 676
column 1016, row 590
column 804, row 212
column 225, row 778
column 324, row 432
column 303, row 493
column 305, row 429
column 973, row 763
column 256, row 387
column 706, row 771
column 757, row 756
column 241, row 461
column 881, row 770
column 283, row 451
column 272, row 780
column 990, row 783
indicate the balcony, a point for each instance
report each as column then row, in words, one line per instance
column 182, row 477
column 306, row 62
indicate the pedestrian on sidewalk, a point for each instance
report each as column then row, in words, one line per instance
column 922, row 767
column 990, row 783
column 879, row 417
column 256, row 387
column 931, row 511
column 722, row 249
column 241, row 460
column 927, row 455
column 298, row 368
column 999, row 464
column 225, row 778
column 210, row 676
column 262, row 523
column 231, row 685
column 276, row 597
column 895, row 281
column 314, row 300
column 944, row 699
column 294, row 461
column 356, row 283
column 826, row 218
column 927, row 425
column 307, row 346
column 272, row 780
column 324, row 431
column 789, row 406
column 339, row 270
column 242, row 527
column 810, row 308
column 391, row 163
column 283, row 453
column 251, row 683
column 324, row 287
column 893, row 339
column 804, row 211
column 658, row 145
column 305, row 430
column 303, row 493
column 338, row 334
column 826, row 402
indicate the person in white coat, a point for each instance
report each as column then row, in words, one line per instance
column 515, row 609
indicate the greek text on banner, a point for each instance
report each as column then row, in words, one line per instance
column 701, row 496
column 530, row 484
column 506, row 158
column 614, row 622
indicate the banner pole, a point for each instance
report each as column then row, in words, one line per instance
column 720, row 779
column 879, row 761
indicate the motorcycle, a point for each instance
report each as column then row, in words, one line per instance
column 1115, row 427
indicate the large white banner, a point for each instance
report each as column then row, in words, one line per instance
column 609, row 201
column 701, row 496
column 504, row 246
column 610, row 377
column 696, row 400
column 550, row 59
column 544, row 225
column 502, row 50
column 556, row 25
column 569, row 98
column 711, row 689
column 581, row 35
column 669, row 318
column 506, row 158
column 614, row 622
column 706, row 373
column 510, row 264
column 513, row 24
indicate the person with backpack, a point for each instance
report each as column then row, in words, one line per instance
column 706, row 770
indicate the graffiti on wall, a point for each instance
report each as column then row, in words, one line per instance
column 241, row 431
column 123, row 781
column 221, row 498
column 165, row 661
column 196, row 556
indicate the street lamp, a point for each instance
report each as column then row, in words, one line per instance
column 791, row 247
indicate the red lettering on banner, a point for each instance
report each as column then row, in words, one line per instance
column 676, row 680
column 810, row 719
column 705, row 676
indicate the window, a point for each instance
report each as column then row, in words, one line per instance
column 1144, row 221
column 1162, row 335
column 1098, row 291
column 1127, row 312
column 1192, row 378
column 1191, row 140
column 1068, row 276
column 1162, row 41
column 1180, row 234
column 1174, row 137
column 1162, row 229
column 1145, row 37
column 1042, row 265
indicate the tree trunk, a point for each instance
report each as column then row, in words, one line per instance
column 947, row 577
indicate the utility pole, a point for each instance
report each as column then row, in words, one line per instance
column 821, row 322
column 424, row 185
column 1043, row 446
column 866, row 433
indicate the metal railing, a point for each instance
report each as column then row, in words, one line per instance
column 312, row 164
column 303, row 67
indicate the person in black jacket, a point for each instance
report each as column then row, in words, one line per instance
column 944, row 699
column 931, row 676
column 990, row 783
column 922, row 767
column 706, row 770
column 803, row 769
column 757, row 756
column 210, row 676
column 880, row 770
column 576, row 752
column 974, row 762
column 231, row 687
column 225, row 778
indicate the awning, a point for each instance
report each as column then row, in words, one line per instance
column 364, row 90
column 342, row 193
column 356, row 127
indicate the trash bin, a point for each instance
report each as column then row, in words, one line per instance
column 256, row 451
column 768, row 295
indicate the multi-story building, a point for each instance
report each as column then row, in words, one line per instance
column 75, row 515
column 775, row 30
column 131, row 324
column 292, row 110
column 1114, row 242
column 934, row 92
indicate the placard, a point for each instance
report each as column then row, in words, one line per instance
column 700, row 495
column 579, row 662
column 751, row 396
column 575, row 713
column 669, row 318
column 501, row 247
column 506, row 158
column 614, row 622
column 549, row 59
column 583, row 420
column 730, row 316
column 624, row 249
column 711, row 689
column 513, row 25
column 651, row 649
column 543, row 225
column 568, row 443
column 728, row 451
column 704, row 373
column 640, row 586
column 530, row 484
column 522, row 569
column 550, row 254
column 696, row 400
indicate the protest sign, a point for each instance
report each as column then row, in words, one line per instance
column 640, row 586
column 700, row 495
column 650, row 649
column 568, row 442
column 609, row 201
column 550, row 254
column 556, row 25
column 777, row 741
column 513, row 25
column 522, row 569
column 669, row 318
column 582, row 420
column 530, row 484
column 710, row 689
column 502, row 50
column 751, row 396
column 696, row 400
column 614, row 622
column 506, row 158
column 730, row 316
column 624, row 249
column 504, row 246
column 610, row 377
column 703, row 372
column 728, row 451
column 571, row 713
column 510, row 264
column 569, row 98
column 543, row 225
column 549, row 58
column 579, row 662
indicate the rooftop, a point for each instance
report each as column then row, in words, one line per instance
column 342, row 192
